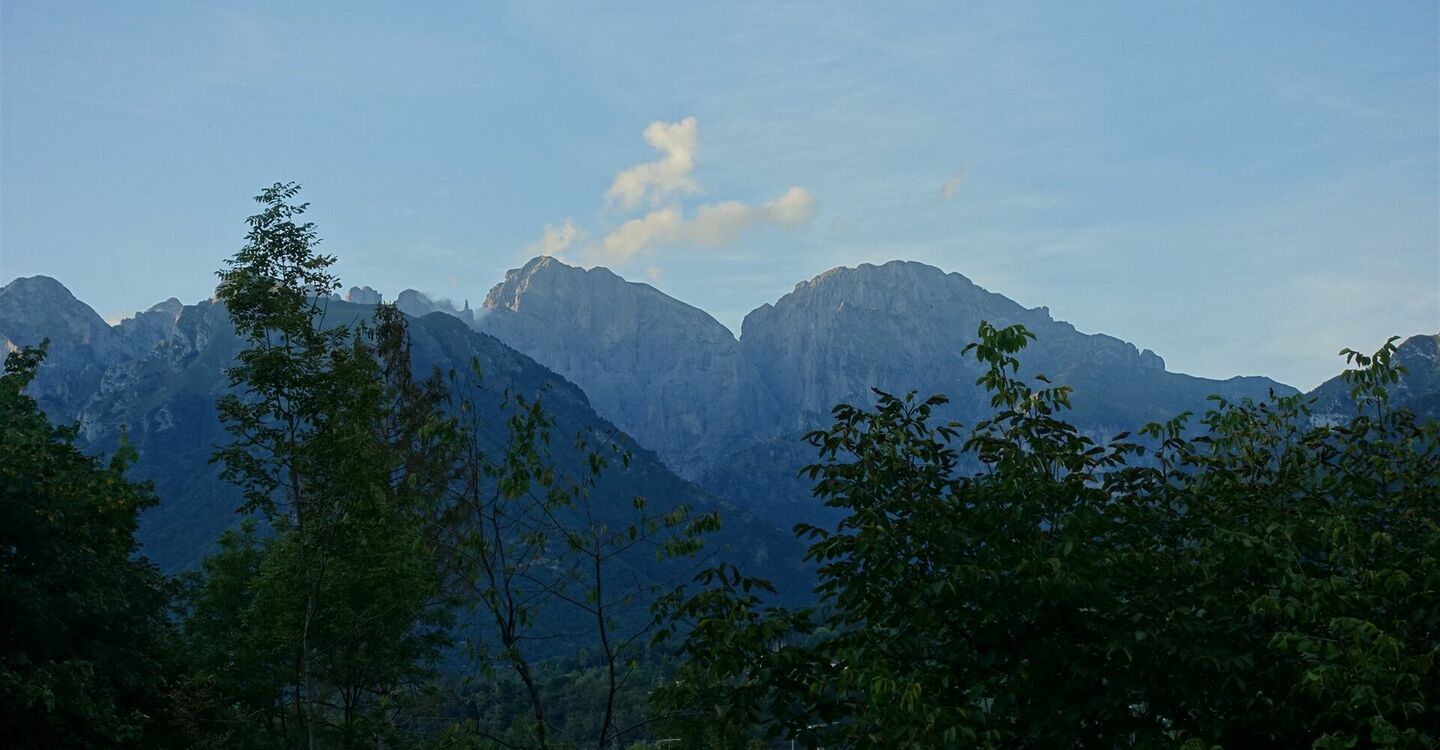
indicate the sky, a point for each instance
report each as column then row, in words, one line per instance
column 1245, row 188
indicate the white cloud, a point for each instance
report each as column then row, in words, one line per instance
column 670, row 174
column 795, row 207
column 555, row 239
column 662, row 225
column 714, row 225
column 662, row 184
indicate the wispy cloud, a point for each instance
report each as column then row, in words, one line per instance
column 662, row 184
column 714, row 225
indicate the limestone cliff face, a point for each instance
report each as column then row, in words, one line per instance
column 665, row 372
column 904, row 326
column 897, row 327
column 153, row 327
column 730, row 413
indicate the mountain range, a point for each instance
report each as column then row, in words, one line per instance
column 729, row 412
column 722, row 414
column 155, row 378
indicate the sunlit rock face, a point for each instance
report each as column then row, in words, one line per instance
column 667, row 373
column 150, row 328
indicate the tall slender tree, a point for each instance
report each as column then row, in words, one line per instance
column 336, row 601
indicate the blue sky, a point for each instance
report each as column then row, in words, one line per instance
column 1243, row 187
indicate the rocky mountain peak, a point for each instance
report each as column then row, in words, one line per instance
column 598, row 300
column 363, row 295
column 897, row 287
column 145, row 330
column 1424, row 347
column 171, row 306
column 42, row 296
column 414, row 303
column 82, row 344
column 891, row 275
column 36, row 307
column 902, row 272
column 38, row 288
column 544, row 279
column 1418, row 390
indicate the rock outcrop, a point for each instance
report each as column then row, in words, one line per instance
column 151, row 328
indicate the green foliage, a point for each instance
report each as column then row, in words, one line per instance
column 532, row 554
column 84, row 637
column 319, row 631
column 282, row 384
column 377, row 513
column 498, row 712
column 739, row 673
column 1270, row 583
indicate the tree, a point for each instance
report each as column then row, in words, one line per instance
column 1268, row 583
column 530, row 543
column 360, row 477
column 84, row 638
column 332, row 439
